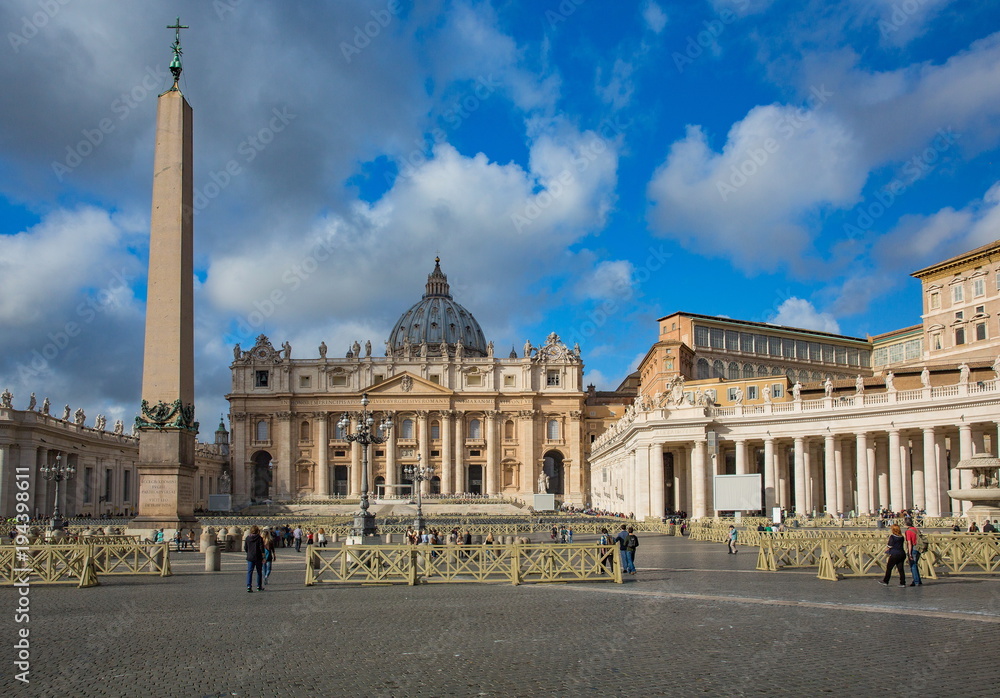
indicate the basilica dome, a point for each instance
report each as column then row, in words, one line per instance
column 438, row 319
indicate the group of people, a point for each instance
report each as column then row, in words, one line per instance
column 627, row 543
column 562, row 535
column 259, row 546
column 904, row 547
column 288, row 537
column 435, row 537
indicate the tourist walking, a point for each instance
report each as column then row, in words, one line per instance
column 912, row 537
column 606, row 541
column 297, row 535
column 321, row 538
column 896, row 554
column 631, row 546
column 254, row 547
column 269, row 547
column 732, row 540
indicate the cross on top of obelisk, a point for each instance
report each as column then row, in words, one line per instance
column 175, row 64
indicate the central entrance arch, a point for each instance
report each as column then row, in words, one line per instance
column 553, row 467
column 261, row 475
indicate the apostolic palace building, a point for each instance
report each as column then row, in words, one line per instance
column 489, row 425
column 832, row 423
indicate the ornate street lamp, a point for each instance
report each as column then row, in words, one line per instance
column 364, row 522
column 419, row 473
column 57, row 472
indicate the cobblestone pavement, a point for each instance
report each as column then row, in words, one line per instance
column 693, row 621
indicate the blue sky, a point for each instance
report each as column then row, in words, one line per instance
column 581, row 167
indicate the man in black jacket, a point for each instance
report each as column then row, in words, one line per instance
column 254, row 547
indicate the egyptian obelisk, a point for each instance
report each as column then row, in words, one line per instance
column 167, row 429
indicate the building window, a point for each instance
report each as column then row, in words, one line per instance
column 960, row 315
column 262, row 430
column 841, row 355
column 957, row 293
column 734, row 370
column 748, row 371
column 552, row 378
column 435, row 430
column 998, row 280
column 508, row 381
column 788, row 348
column 801, row 349
column 339, row 432
column 777, row 390
column 959, row 336
column 304, row 431
column 936, row 341
column 552, row 430
column 732, row 394
column 108, row 480
column 474, row 380
column 338, row 381
column 407, row 430
column 865, row 358
column 815, row 352
column 828, row 353
column 434, row 378
column 760, row 344
column 732, row 340
column 980, row 331
column 126, row 481
column 746, row 342
column 776, row 371
column 762, row 371
column 305, row 381
column 377, row 378
column 751, row 392
column 701, row 333
column 717, row 338
column 201, row 487
column 475, row 429
column 261, row 379
column 718, row 369
column 88, row 485
column 703, row 370
column 978, row 287
column 774, row 346
column 508, row 429
column 936, row 299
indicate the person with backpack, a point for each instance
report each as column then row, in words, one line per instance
column 732, row 540
column 608, row 542
column 630, row 546
column 914, row 543
column 269, row 547
column 253, row 544
column 623, row 551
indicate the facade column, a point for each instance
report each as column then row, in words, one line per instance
column 741, row 457
column 459, row 469
column 657, row 476
column 423, row 446
column 355, row 461
column 682, row 479
column 447, row 479
column 782, row 477
column 640, row 482
column 918, row 476
column 322, row 454
column 965, row 450
column 769, row 483
column 526, row 438
column 492, row 474
column 932, row 476
column 830, row 474
column 798, row 446
column 941, row 460
column 862, row 474
column 841, row 464
column 882, row 472
column 699, row 476
column 390, row 456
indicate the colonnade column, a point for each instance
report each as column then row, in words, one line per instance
column 699, row 456
column 423, row 443
column 447, row 486
column 390, row 456
column 830, row 474
column 941, row 459
column 641, row 485
column 741, row 457
column 682, row 498
column 781, row 477
column 965, row 450
column 895, row 472
column 841, row 472
column 862, row 473
column 322, row 454
column 932, row 480
column 800, row 475
column 918, row 477
column 459, row 454
column 769, row 479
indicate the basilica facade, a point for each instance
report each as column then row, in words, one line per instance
column 487, row 425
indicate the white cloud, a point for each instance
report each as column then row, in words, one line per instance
column 607, row 280
column 654, row 16
column 619, row 88
column 748, row 202
column 797, row 312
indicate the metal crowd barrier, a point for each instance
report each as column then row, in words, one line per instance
column 421, row 564
column 80, row 563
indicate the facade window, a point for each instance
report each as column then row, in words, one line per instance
column 126, row 481
column 701, row 333
column 959, row 336
column 762, row 371
column 774, row 346
column 979, row 287
column 435, row 430
column 788, row 348
column 108, row 481
column 751, row 392
column 840, row 355
column 377, row 378
column 936, row 341
column 716, row 338
column 339, row 432
column 881, row 356
column 746, row 342
column 552, row 430
column 957, row 293
column 828, row 353
column 801, row 349
column 261, row 379
column 475, row 429
column 776, row 371
column 703, row 370
column 88, row 485
column 748, row 371
column 760, row 344
column 777, row 390
column 407, row 431
column 732, row 394
column 998, row 280
column 552, row 378
column 508, row 381
column 960, row 315
column 434, row 378
column 895, row 354
column 935, row 300
column 815, row 352
column 865, row 357
column 304, row 431
column 718, row 369
column 508, row 429
column 201, row 487
column 262, row 430
column 305, row 381
column 732, row 340
column 734, row 370
column 980, row 331
column 475, row 380
column 338, row 381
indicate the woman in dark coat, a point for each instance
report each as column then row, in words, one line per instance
column 894, row 549
column 254, row 547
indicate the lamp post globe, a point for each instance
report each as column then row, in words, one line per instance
column 364, row 435
column 419, row 474
column 57, row 472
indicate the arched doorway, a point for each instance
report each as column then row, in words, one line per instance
column 553, row 467
column 475, row 479
column 379, row 487
column 435, row 485
column 261, row 476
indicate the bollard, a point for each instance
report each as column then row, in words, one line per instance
column 206, row 541
column 335, row 538
column 213, row 559
column 388, row 539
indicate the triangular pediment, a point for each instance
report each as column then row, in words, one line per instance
column 407, row 383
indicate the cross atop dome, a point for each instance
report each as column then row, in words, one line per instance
column 437, row 282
